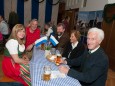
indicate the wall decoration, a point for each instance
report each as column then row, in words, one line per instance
column 91, row 18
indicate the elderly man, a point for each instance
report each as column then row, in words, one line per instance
column 94, row 62
column 62, row 36
column 32, row 34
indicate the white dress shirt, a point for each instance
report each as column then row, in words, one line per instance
column 49, row 31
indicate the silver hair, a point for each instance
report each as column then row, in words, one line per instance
column 34, row 20
column 99, row 31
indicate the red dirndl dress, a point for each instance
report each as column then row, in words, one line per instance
column 12, row 70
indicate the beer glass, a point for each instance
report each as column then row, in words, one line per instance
column 58, row 59
column 47, row 73
column 42, row 46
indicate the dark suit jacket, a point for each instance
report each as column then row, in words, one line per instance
column 64, row 39
column 76, row 52
column 94, row 68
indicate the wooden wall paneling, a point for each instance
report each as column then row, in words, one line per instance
column 108, row 43
column 111, row 47
column 107, row 28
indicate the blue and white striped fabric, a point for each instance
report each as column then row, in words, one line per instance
column 36, row 70
column 40, row 41
column 53, row 40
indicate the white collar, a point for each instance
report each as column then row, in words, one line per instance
column 74, row 45
column 50, row 27
column 60, row 36
column 92, row 51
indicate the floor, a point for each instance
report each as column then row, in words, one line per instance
column 110, row 80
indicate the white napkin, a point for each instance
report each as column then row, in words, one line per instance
column 53, row 57
column 57, row 74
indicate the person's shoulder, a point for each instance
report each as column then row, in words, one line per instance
column 27, row 28
column 68, row 44
column 3, row 23
column 66, row 34
column 13, row 41
column 100, row 50
column 102, row 57
column 101, row 53
column 80, row 44
column 37, row 30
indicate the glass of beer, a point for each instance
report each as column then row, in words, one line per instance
column 58, row 59
column 47, row 73
column 42, row 46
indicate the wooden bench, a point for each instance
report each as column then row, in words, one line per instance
column 6, row 79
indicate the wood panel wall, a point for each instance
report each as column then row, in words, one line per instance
column 109, row 42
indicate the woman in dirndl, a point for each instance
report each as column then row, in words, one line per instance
column 15, row 64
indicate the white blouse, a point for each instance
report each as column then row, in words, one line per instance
column 74, row 45
column 12, row 46
column 49, row 31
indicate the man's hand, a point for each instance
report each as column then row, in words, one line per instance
column 63, row 69
column 63, row 61
column 30, row 47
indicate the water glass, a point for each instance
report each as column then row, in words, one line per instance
column 60, row 50
column 53, row 51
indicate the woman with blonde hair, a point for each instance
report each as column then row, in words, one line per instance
column 15, row 63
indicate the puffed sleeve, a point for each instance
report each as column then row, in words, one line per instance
column 12, row 46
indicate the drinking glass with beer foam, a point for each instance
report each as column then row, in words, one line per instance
column 47, row 73
column 58, row 59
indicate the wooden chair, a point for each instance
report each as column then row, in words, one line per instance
column 6, row 79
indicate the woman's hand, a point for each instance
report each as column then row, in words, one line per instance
column 25, row 62
column 18, row 60
column 25, row 57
